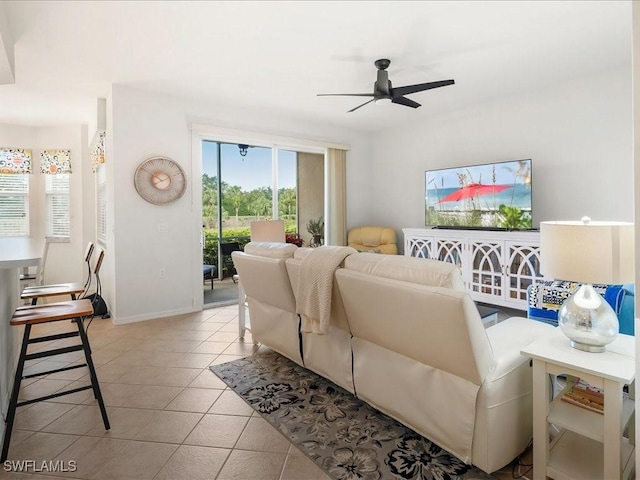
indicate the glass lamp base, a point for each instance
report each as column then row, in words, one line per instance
column 587, row 348
column 588, row 320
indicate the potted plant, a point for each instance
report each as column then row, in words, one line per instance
column 316, row 229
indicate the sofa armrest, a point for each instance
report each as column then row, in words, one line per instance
column 507, row 338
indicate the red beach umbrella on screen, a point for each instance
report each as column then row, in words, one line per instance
column 473, row 190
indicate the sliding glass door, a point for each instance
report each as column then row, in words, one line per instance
column 242, row 183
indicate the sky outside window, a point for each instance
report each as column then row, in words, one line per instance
column 253, row 170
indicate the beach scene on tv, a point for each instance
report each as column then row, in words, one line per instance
column 496, row 195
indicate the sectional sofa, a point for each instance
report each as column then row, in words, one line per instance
column 405, row 337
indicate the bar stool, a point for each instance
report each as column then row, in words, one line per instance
column 72, row 289
column 30, row 315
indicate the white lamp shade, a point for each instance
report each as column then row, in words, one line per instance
column 593, row 252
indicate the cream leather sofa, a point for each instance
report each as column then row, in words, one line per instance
column 406, row 338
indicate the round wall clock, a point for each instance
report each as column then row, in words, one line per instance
column 160, row 180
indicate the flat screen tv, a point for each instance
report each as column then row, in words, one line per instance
column 491, row 196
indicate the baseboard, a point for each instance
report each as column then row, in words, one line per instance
column 151, row 316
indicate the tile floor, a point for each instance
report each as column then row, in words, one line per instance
column 171, row 417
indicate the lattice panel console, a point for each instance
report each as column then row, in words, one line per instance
column 497, row 267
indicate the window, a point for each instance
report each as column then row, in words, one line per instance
column 14, row 205
column 101, row 205
column 58, row 213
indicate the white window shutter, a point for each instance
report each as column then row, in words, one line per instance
column 14, row 205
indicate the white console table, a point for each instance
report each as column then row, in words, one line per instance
column 497, row 266
column 590, row 445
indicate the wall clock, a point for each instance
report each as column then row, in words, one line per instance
column 160, row 180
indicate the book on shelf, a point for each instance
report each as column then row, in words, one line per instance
column 585, row 396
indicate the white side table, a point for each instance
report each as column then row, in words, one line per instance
column 577, row 452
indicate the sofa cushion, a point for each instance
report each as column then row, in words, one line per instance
column 270, row 249
column 409, row 269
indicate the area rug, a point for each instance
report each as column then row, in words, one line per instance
column 346, row 437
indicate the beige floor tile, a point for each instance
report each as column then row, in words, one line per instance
column 194, row 400
column 217, row 431
column 125, row 343
column 193, row 335
column 208, row 327
column 212, row 347
column 242, row 465
column 183, row 346
column 125, row 422
column 111, row 372
column 140, row 375
column 299, row 466
column 195, row 360
column 193, row 463
column 41, row 388
column 240, row 348
column 223, row 337
column 43, row 366
column 79, row 420
column 74, row 374
column 114, row 394
column 230, row 327
column 153, row 397
column 229, row 403
column 227, row 358
column 260, row 436
column 41, row 446
column 39, row 415
column 208, row 379
column 101, row 357
column 169, row 427
column 136, row 461
column 18, row 436
column 78, row 397
column 89, row 454
column 177, row 377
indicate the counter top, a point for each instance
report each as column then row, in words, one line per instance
column 20, row 252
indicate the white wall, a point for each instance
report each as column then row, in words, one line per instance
column 578, row 135
column 144, row 124
column 64, row 263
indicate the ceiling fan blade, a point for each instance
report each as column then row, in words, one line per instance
column 345, row 95
column 405, row 101
column 354, row 109
column 400, row 91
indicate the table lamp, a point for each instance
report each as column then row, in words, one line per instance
column 587, row 252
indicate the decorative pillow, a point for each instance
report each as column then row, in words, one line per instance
column 545, row 299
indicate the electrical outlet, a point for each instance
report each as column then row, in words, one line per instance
column 163, row 227
column 163, row 273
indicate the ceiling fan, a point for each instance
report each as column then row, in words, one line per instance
column 382, row 89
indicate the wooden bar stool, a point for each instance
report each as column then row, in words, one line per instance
column 30, row 315
column 72, row 289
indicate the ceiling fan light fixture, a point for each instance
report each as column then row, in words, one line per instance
column 383, row 101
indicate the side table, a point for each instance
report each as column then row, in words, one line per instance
column 577, row 452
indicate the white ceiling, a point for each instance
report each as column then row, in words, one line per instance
column 276, row 56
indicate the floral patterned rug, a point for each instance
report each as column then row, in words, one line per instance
column 346, row 437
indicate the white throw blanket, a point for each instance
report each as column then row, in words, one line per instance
column 315, row 282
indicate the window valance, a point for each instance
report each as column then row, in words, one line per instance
column 54, row 162
column 97, row 152
column 15, row 160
